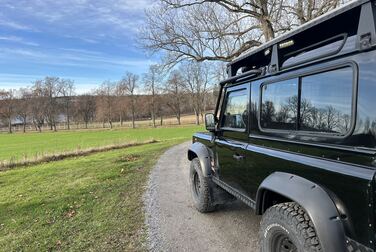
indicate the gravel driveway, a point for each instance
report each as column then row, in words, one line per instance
column 174, row 224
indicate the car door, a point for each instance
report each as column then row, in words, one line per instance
column 231, row 143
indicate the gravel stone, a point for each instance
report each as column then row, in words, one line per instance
column 175, row 225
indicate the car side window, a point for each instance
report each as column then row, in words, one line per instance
column 326, row 102
column 317, row 103
column 235, row 114
column 279, row 108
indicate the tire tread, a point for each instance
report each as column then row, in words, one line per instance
column 299, row 219
column 205, row 203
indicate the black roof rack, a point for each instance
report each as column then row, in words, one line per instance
column 353, row 19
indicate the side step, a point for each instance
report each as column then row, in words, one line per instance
column 248, row 201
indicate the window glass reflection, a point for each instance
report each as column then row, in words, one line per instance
column 280, row 105
column 236, row 112
column 326, row 101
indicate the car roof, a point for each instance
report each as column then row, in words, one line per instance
column 304, row 27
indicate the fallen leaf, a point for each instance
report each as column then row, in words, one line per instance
column 71, row 213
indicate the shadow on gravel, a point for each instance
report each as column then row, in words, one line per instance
column 235, row 206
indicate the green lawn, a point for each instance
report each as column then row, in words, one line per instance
column 88, row 203
column 25, row 146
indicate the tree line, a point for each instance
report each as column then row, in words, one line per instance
column 155, row 94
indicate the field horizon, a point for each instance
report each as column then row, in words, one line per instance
column 33, row 145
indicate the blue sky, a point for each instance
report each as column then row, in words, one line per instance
column 89, row 41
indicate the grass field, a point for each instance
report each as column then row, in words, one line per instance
column 25, row 146
column 85, row 203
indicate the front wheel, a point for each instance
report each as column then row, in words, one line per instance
column 200, row 188
column 287, row 227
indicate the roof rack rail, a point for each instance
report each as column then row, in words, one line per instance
column 249, row 73
column 355, row 19
column 334, row 44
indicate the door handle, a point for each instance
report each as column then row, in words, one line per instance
column 238, row 157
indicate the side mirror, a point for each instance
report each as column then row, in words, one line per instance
column 210, row 122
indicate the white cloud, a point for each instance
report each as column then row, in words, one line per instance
column 80, row 18
column 15, row 25
column 73, row 57
column 18, row 40
column 132, row 5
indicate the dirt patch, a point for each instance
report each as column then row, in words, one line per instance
column 129, row 158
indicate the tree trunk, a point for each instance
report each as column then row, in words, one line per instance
column 267, row 29
column 133, row 113
column 153, row 119
column 178, row 112
column 110, row 124
column 161, row 120
column 10, row 126
column 133, row 121
column 24, row 126
column 153, row 109
column 85, row 125
column 68, row 120
column 197, row 117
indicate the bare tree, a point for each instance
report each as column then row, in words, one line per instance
column 66, row 90
column 7, row 107
column 151, row 80
column 174, row 93
column 306, row 10
column 121, row 101
column 198, row 32
column 51, row 92
column 267, row 112
column 331, row 118
column 266, row 13
column 222, row 29
column 161, row 109
column 85, row 107
column 37, row 107
column 24, row 106
column 196, row 82
column 346, row 122
column 106, row 99
column 130, row 83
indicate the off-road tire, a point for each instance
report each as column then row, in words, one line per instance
column 291, row 221
column 201, row 188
